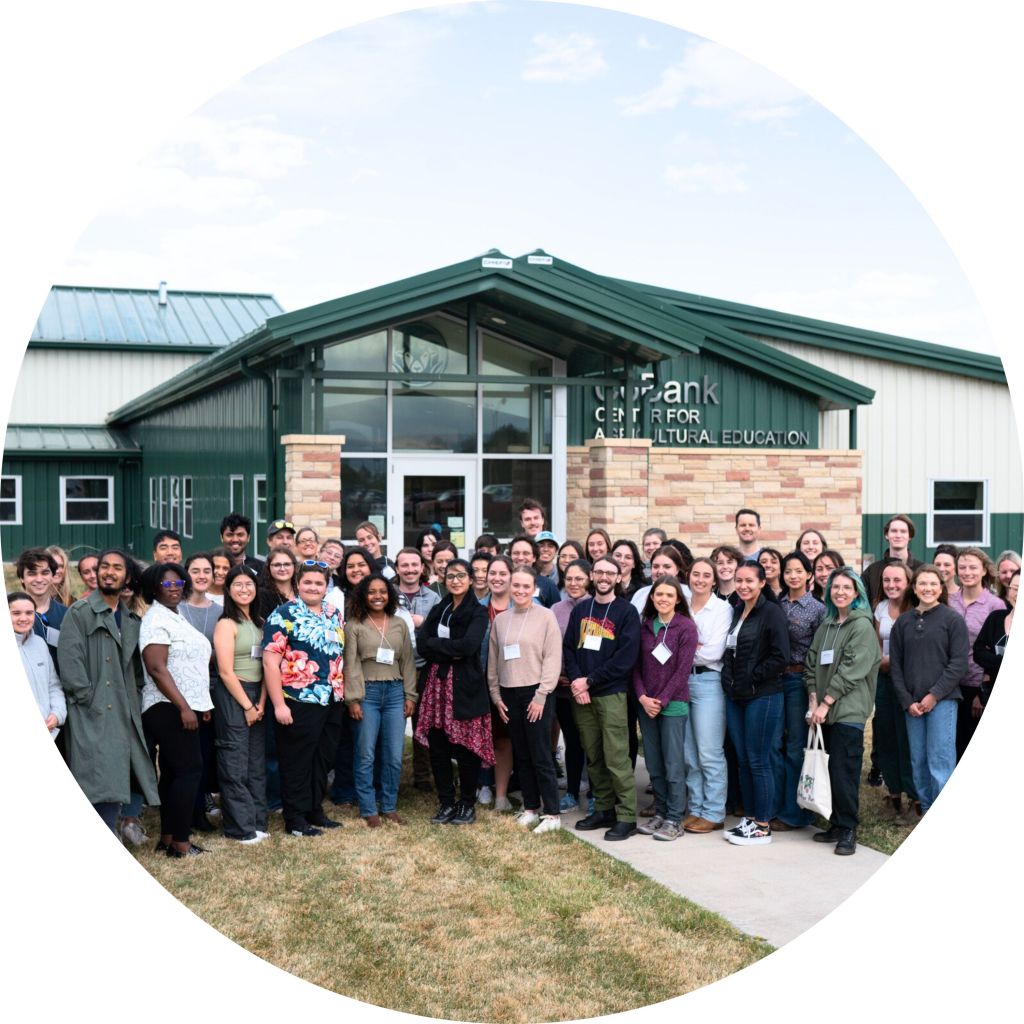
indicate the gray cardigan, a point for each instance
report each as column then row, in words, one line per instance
column 42, row 678
column 928, row 654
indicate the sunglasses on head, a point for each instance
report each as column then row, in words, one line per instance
column 319, row 565
column 282, row 524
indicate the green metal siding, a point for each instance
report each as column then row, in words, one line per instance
column 208, row 437
column 1006, row 534
column 41, row 504
column 746, row 402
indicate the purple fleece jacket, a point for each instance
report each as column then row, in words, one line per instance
column 670, row 681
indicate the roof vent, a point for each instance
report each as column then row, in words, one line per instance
column 162, row 294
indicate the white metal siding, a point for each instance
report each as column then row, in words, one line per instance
column 970, row 431
column 66, row 386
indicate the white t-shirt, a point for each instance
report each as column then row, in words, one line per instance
column 188, row 658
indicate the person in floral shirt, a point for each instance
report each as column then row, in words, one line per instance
column 303, row 645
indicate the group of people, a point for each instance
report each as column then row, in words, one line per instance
column 156, row 682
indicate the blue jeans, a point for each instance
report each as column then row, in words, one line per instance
column 792, row 761
column 755, row 727
column 383, row 707
column 663, row 754
column 704, row 748
column 932, row 739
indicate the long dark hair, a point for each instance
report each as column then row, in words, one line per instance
column 266, row 582
column 636, row 574
column 231, row 610
column 682, row 605
column 356, row 606
column 350, row 553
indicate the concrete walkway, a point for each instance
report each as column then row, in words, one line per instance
column 775, row 892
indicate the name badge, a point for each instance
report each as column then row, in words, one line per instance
column 1000, row 650
column 443, row 632
column 536, row 591
column 592, row 642
column 256, row 652
column 52, row 636
column 662, row 653
column 385, row 656
column 826, row 657
column 511, row 652
column 730, row 641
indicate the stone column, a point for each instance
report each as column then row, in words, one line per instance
column 312, row 480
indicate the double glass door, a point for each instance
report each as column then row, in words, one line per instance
column 439, row 491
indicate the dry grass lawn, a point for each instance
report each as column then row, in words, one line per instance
column 478, row 923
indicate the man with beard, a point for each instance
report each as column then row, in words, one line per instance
column 102, row 677
column 235, row 531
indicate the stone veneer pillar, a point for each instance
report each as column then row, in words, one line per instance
column 693, row 493
column 312, row 480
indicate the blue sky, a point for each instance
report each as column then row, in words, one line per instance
column 629, row 147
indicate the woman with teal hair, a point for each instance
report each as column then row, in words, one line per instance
column 840, row 673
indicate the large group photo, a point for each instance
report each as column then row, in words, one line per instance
column 513, row 634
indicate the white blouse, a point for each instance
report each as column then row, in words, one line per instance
column 188, row 658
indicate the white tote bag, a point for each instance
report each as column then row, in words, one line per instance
column 814, row 791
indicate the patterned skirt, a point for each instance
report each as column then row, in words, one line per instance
column 435, row 712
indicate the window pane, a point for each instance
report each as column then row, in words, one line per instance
column 432, row 501
column 360, row 412
column 367, row 354
column 8, row 488
column 516, row 418
column 86, row 487
column 958, row 529
column 500, row 356
column 956, row 495
column 440, row 417
column 87, row 511
column 364, row 486
column 506, row 483
column 428, row 347
column 8, row 511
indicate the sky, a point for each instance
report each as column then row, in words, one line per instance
column 621, row 144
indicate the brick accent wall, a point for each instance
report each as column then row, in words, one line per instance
column 312, row 480
column 693, row 493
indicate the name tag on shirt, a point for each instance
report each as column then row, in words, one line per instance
column 592, row 642
column 385, row 656
column 827, row 657
column 52, row 636
column 444, row 632
column 662, row 653
column 536, row 592
column 1000, row 650
column 730, row 642
column 511, row 652
column 256, row 652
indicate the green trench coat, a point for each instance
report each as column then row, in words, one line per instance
column 101, row 672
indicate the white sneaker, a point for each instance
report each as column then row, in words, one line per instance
column 548, row 823
column 132, row 832
column 527, row 818
column 739, row 829
column 262, row 835
column 502, row 803
column 752, row 835
column 258, row 838
column 484, row 795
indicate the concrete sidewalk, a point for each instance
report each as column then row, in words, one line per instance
column 775, row 892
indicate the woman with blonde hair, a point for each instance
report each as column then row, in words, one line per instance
column 61, row 583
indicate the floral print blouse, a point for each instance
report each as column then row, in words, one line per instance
column 311, row 644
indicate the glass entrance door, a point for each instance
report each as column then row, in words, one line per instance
column 430, row 491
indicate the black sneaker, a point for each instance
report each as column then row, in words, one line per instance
column 192, row 851
column 833, row 835
column 847, row 842
column 621, row 830
column 324, row 822
column 305, row 830
column 465, row 814
column 599, row 819
column 445, row 813
column 875, row 778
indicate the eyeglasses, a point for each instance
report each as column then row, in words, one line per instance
column 456, row 576
column 172, row 584
column 603, row 572
column 319, row 565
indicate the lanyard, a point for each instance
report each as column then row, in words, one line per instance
column 383, row 637
column 522, row 626
column 828, row 626
column 590, row 618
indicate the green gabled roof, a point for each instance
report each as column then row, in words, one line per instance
column 48, row 439
column 583, row 308
column 149, row 319
column 839, row 337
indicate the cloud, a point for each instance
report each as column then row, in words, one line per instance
column 718, row 177
column 572, row 58
column 643, row 43
column 156, row 188
column 713, row 77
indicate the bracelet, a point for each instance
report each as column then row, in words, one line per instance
column 251, row 707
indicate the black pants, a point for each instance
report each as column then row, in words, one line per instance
column 180, row 763
column 208, row 752
column 442, row 750
column 305, row 753
column 966, row 723
column 633, row 722
column 531, row 744
column 574, row 756
column 845, row 747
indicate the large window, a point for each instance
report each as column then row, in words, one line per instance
column 86, row 499
column 10, row 500
column 364, row 490
column 162, row 502
column 175, row 504
column 186, row 506
column 506, row 483
column 236, row 494
column 958, row 513
column 259, row 511
column 516, row 417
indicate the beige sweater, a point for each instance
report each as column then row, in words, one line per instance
column 540, row 651
column 361, row 666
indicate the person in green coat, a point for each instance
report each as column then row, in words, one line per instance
column 840, row 673
column 101, row 673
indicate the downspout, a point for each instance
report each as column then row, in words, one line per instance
column 853, row 428
column 271, row 435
